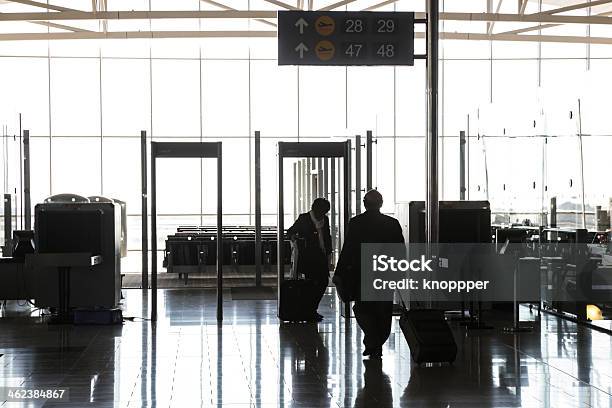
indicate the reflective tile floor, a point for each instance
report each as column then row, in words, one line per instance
column 187, row 360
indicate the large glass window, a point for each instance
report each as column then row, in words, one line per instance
column 225, row 103
column 175, row 98
column 126, row 97
column 75, row 97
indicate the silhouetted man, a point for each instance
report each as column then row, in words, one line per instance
column 374, row 318
column 315, row 249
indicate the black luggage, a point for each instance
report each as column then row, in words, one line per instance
column 428, row 336
column 296, row 301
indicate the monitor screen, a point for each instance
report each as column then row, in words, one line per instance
column 66, row 231
column 459, row 222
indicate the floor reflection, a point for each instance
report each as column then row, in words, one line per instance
column 187, row 360
column 377, row 390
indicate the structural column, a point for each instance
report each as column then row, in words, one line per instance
column 431, row 203
column 358, row 174
column 153, row 234
column 27, row 204
column 144, row 214
column 462, row 165
column 300, row 194
column 369, row 143
column 280, row 233
column 8, row 226
column 258, row 207
column 345, row 311
column 332, row 200
column 296, row 190
column 219, row 232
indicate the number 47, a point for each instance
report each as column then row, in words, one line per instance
column 353, row 50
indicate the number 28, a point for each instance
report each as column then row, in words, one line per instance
column 354, row 26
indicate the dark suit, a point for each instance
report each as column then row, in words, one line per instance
column 312, row 261
column 374, row 318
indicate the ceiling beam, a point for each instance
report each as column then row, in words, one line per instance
column 573, row 7
column 490, row 27
column 104, row 22
column 543, row 26
column 282, row 5
column 51, row 7
column 529, row 29
column 61, row 26
column 379, row 5
column 525, row 18
column 336, row 5
column 225, row 7
column 566, row 39
column 135, row 15
column 229, row 14
column 96, row 35
column 42, row 5
column 272, row 34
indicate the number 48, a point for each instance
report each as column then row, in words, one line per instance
column 386, row 51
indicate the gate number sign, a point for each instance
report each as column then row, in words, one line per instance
column 345, row 38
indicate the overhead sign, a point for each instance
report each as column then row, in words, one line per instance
column 345, row 38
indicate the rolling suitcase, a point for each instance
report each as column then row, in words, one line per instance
column 296, row 297
column 296, row 301
column 428, row 336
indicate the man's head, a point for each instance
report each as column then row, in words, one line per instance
column 320, row 207
column 372, row 200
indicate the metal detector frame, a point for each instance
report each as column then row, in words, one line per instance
column 180, row 150
column 301, row 150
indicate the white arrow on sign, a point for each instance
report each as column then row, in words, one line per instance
column 301, row 48
column 301, row 23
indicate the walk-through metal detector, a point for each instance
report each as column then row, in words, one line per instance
column 182, row 150
column 310, row 150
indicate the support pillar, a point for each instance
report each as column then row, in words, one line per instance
column 431, row 201
column 358, row 174
column 27, row 204
column 257, row 163
column 144, row 217
column 7, row 250
column 462, row 165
